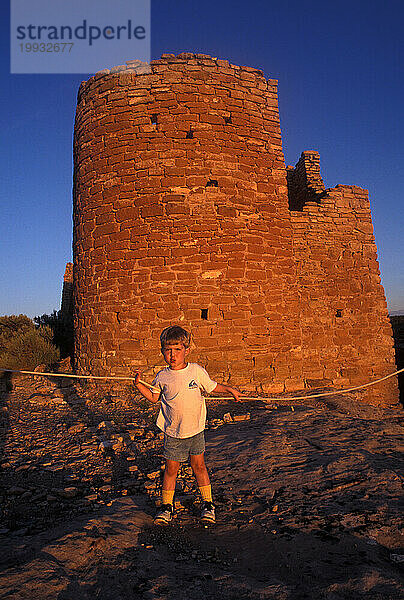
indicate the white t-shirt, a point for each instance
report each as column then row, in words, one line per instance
column 183, row 409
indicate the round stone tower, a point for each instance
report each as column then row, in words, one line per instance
column 181, row 217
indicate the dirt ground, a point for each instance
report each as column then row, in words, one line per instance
column 309, row 500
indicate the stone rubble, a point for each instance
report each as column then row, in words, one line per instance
column 314, row 473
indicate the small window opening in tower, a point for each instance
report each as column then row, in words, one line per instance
column 154, row 119
column 212, row 183
column 190, row 135
column 339, row 312
column 204, row 314
column 227, row 120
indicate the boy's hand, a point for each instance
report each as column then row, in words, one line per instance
column 228, row 389
column 235, row 393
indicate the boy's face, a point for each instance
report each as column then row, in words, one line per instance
column 175, row 355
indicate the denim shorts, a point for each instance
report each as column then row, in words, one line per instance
column 180, row 449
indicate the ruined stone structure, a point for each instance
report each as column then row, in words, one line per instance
column 184, row 213
column 66, row 307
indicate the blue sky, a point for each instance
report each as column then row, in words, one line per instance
column 340, row 72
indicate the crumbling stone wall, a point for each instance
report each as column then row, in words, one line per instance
column 182, row 215
column 304, row 181
column 346, row 333
column 66, row 307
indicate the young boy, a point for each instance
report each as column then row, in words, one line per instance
column 182, row 417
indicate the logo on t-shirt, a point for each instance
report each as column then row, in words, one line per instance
column 192, row 384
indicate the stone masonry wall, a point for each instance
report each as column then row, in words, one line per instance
column 182, row 214
column 304, row 180
column 346, row 333
column 66, row 307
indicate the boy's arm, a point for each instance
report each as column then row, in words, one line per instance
column 145, row 391
column 229, row 390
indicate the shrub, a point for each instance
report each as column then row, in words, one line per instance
column 24, row 346
column 62, row 328
column 13, row 325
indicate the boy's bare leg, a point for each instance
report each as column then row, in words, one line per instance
column 199, row 469
column 170, row 477
column 202, row 477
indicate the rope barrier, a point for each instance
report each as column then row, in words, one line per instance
column 359, row 387
column 111, row 377
column 151, row 387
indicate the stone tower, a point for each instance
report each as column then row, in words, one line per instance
column 66, row 308
column 184, row 213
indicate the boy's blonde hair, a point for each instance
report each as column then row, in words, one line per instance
column 175, row 334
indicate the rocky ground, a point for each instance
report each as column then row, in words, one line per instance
column 309, row 499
